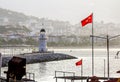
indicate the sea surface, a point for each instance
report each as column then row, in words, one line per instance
column 45, row 72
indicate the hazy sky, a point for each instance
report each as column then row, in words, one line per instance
column 67, row 10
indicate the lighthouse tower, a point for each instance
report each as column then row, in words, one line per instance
column 42, row 41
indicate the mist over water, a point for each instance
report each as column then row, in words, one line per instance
column 45, row 72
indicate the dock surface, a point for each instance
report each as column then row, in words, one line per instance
column 72, row 77
column 82, row 77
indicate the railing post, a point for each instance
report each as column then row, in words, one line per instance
column 55, row 73
column 56, row 79
column 55, row 76
column 74, row 74
column 33, row 76
column 64, row 76
column 72, row 80
column 29, row 75
column 26, row 75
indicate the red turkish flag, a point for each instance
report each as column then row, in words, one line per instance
column 87, row 20
column 79, row 63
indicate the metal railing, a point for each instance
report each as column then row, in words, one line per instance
column 64, row 74
column 30, row 76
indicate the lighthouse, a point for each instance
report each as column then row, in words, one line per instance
column 42, row 41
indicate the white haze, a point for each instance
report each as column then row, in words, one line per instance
column 67, row 10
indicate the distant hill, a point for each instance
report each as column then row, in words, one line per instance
column 12, row 16
column 9, row 22
column 11, row 19
column 11, row 29
column 59, row 32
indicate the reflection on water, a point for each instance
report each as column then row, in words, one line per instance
column 42, row 69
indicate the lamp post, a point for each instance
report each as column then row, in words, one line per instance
column 108, row 39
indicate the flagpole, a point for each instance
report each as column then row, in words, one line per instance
column 104, row 67
column 82, row 70
column 0, row 63
column 92, row 48
column 85, row 21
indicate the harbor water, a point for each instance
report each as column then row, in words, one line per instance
column 45, row 72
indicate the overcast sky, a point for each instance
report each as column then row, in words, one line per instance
column 67, row 10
